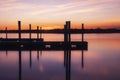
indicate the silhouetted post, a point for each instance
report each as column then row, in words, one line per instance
column 68, row 31
column 67, row 37
column 6, row 32
column 37, row 32
column 41, row 32
column 82, row 32
column 30, row 30
column 6, row 38
column 19, row 30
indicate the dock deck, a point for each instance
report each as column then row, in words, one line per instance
column 38, row 44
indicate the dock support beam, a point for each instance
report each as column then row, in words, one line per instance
column 30, row 30
column 19, row 30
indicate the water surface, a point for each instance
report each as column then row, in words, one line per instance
column 99, row 62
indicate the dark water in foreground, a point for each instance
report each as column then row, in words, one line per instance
column 100, row 62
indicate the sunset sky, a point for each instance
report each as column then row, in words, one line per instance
column 53, row 13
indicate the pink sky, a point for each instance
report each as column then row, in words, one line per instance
column 53, row 13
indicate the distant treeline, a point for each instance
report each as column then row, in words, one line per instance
column 74, row 31
column 86, row 31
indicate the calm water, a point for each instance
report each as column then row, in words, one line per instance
column 100, row 62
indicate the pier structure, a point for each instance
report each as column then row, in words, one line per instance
column 39, row 43
column 6, row 32
column 37, row 32
column 30, row 31
column 19, row 30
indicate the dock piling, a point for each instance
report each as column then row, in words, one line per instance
column 67, row 37
column 19, row 30
column 6, row 32
column 37, row 32
column 68, row 31
column 41, row 32
column 82, row 32
column 30, row 30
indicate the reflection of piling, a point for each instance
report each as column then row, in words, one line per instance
column 30, row 30
column 38, row 55
column 37, row 32
column 6, row 32
column 30, row 59
column 64, row 58
column 67, row 63
column 6, row 52
column 82, row 64
column 20, row 66
column 19, row 30
column 41, row 53
column 69, row 66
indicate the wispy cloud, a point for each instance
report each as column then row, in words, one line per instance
column 43, row 8
column 6, row 1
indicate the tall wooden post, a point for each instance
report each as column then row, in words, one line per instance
column 30, row 30
column 67, row 37
column 37, row 32
column 19, row 30
column 6, row 32
column 82, row 32
column 65, row 33
column 68, row 31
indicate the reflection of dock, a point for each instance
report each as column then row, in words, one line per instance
column 67, row 63
column 40, row 44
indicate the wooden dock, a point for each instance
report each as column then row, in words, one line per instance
column 40, row 44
